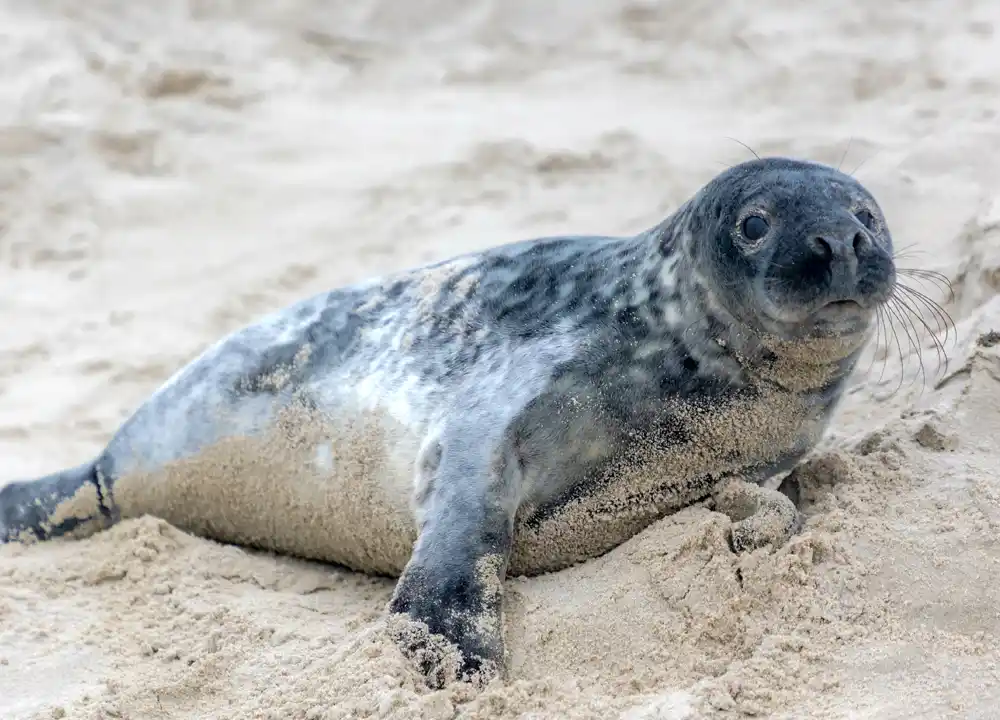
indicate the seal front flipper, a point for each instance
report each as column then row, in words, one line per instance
column 73, row 500
column 447, row 608
column 760, row 516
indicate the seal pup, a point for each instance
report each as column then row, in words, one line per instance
column 516, row 410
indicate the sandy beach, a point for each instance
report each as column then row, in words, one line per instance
column 171, row 171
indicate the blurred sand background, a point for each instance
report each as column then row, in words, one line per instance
column 172, row 170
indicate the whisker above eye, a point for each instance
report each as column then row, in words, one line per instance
column 740, row 142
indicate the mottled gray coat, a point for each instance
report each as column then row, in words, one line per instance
column 519, row 409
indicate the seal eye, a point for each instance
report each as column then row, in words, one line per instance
column 754, row 228
column 866, row 218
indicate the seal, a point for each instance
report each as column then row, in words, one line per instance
column 512, row 411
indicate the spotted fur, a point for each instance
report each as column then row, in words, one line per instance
column 540, row 402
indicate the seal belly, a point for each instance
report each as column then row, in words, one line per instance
column 305, row 486
column 318, row 469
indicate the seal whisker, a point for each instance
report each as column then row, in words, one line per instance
column 915, row 317
column 907, row 251
column 939, row 344
column 861, row 164
column 899, row 318
column 933, row 277
column 907, row 298
column 912, row 336
column 886, row 328
column 878, row 343
column 740, row 142
column 941, row 316
column 876, row 339
column 899, row 349
column 846, row 150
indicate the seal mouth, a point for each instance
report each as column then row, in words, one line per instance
column 832, row 309
column 836, row 318
column 840, row 314
column 840, row 308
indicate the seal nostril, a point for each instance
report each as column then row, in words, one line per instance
column 822, row 248
column 860, row 243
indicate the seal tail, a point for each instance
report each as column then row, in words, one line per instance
column 55, row 505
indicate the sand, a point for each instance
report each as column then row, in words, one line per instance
column 172, row 170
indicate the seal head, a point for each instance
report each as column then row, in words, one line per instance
column 792, row 250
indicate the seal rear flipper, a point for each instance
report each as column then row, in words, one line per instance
column 71, row 501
